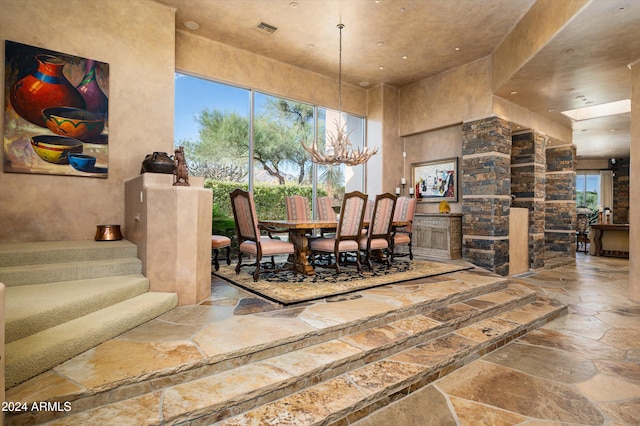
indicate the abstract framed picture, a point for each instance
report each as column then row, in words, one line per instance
column 56, row 113
column 435, row 181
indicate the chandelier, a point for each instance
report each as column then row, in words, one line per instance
column 339, row 149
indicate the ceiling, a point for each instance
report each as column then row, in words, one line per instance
column 399, row 42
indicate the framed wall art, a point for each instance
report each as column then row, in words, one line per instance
column 56, row 113
column 435, row 181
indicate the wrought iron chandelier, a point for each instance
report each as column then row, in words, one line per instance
column 339, row 149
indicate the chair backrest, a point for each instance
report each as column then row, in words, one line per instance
column 582, row 224
column 351, row 216
column 368, row 211
column 325, row 208
column 405, row 211
column 244, row 213
column 382, row 217
column 298, row 207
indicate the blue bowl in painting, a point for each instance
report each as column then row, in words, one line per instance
column 82, row 162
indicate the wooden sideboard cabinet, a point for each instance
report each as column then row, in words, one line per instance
column 438, row 235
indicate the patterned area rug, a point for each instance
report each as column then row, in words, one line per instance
column 287, row 287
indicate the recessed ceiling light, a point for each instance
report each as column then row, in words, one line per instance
column 364, row 83
column 401, row 9
column 380, row 67
column 192, row 25
column 613, row 130
column 580, row 97
column 380, row 43
column 457, row 48
column 620, row 9
column 293, row 4
column 514, row 92
column 311, row 46
column 551, row 110
column 404, row 56
column 567, row 51
column 588, row 102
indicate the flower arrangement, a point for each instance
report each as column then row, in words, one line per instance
column 444, row 207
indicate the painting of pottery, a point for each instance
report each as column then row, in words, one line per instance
column 56, row 113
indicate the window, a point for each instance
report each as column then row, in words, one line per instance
column 237, row 137
column 588, row 189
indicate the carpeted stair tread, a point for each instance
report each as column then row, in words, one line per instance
column 68, row 271
column 33, row 308
column 32, row 253
column 407, row 358
column 32, row 355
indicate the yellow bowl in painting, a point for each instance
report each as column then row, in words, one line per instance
column 55, row 149
column 73, row 122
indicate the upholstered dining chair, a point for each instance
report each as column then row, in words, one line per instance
column 405, row 212
column 378, row 235
column 297, row 207
column 324, row 205
column 219, row 242
column 348, row 233
column 248, row 231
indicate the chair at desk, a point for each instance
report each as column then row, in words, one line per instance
column 378, row 236
column 348, row 234
column 251, row 243
column 582, row 232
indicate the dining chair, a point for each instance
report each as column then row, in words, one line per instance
column 248, row 230
column 348, row 232
column 325, row 212
column 297, row 207
column 404, row 212
column 219, row 242
column 378, row 237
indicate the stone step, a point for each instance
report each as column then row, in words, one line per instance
column 223, row 389
column 32, row 355
column 30, row 309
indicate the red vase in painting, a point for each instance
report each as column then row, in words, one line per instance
column 90, row 91
column 47, row 87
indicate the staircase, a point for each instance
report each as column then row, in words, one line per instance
column 336, row 374
column 63, row 298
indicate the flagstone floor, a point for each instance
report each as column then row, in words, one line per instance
column 583, row 368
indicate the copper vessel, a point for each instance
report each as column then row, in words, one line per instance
column 108, row 233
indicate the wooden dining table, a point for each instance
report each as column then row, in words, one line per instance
column 299, row 231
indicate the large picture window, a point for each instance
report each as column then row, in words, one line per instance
column 588, row 190
column 240, row 138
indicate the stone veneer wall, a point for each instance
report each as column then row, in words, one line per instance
column 486, row 193
column 528, row 164
column 560, row 205
column 621, row 191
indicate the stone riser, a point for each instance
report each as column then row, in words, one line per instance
column 351, row 411
column 326, row 373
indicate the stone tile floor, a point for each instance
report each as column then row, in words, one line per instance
column 583, row 368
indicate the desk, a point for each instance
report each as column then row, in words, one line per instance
column 614, row 232
column 298, row 230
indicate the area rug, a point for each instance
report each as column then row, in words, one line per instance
column 288, row 288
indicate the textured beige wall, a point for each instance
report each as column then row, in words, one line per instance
column 523, row 117
column 137, row 39
column 435, row 145
column 634, row 190
column 208, row 59
column 454, row 96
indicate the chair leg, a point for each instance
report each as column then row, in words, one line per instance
column 228, row 255
column 256, row 273
column 215, row 259
column 410, row 252
column 239, row 262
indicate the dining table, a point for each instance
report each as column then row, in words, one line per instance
column 299, row 234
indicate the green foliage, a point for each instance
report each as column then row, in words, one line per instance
column 269, row 199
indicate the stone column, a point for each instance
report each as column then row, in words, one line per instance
column 528, row 163
column 621, row 191
column 486, row 193
column 560, row 204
